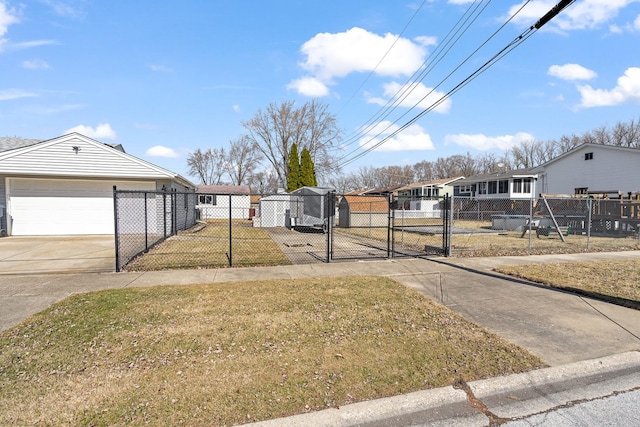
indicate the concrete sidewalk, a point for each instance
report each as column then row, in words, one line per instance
column 577, row 336
column 557, row 326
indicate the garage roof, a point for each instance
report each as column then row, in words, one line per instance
column 75, row 155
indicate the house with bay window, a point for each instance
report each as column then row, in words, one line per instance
column 514, row 185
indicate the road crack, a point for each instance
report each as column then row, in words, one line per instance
column 474, row 402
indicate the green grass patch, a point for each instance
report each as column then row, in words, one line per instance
column 232, row 353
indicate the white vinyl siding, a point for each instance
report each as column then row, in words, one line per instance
column 91, row 159
column 64, row 206
column 610, row 169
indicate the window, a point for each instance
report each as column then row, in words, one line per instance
column 206, row 199
column 582, row 190
column 503, row 186
column 493, row 187
column 588, row 156
column 482, row 188
column 522, row 185
column 463, row 189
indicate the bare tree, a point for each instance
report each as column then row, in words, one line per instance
column 626, row 135
column 311, row 126
column 264, row 182
column 208, row 166
column 342, row 183
column 366, row 177
column 243, row 160
column 527, row 154
column 423, row 171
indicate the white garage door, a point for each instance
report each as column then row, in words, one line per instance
column 59, row 207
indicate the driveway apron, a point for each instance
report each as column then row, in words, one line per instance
column 57, row 254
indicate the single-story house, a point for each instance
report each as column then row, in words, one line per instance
column 514, row 185
column 64, row 185
column 591, row 168
column 220, row 201
column 413, row 194
column 363, row 211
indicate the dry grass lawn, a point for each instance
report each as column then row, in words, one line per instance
column 209, row 248
column 619, row 279
column 233, row 353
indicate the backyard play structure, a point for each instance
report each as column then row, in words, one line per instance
column 609, row 213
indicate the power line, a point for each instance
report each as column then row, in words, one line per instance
column 461, row 26
column 383, row 56
column 503, row 52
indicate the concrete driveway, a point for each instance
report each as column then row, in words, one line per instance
column 57, row 254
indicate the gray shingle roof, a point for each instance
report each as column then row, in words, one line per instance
column 11, row 142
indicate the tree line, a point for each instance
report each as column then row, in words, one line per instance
column 267, row 157
column 525, row 155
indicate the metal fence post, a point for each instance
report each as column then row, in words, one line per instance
column 330, row 198
column 146, row 231
column 164, row 212
column 230, row 235
column 450, row 231
column 530, row 220
column 115, row 227
column 588, row 225
column 390, row 248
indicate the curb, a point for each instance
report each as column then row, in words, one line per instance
column 501, row 399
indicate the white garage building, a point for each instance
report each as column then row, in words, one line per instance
column 64, row 186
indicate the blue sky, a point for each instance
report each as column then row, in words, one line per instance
column 164, row 78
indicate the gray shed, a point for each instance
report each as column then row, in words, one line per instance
column 311, row 208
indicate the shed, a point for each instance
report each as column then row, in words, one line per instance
column 363, row 211
column 310, row 207
column 64, row 185
column 273, row 211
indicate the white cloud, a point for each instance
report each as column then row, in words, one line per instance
column 585, row 14
column 66, row 8
column 627, row 89
column 236, row 108
column 411, row 94
column 36, row 64
column 309, row 86
column 9, row 94
column 160, row 68
column 102, row 131
column 7, row 18
column 484, row 142
column 29, row 44
column 162, row 151
column 571, row 72
column 636, row 23
column 336, row 55
column 410, row 139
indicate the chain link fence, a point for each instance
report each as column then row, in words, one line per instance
column 158, row 230
column 172, row 230
column 568, row 224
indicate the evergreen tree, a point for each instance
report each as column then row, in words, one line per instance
column 307, row 170
column 293, row 177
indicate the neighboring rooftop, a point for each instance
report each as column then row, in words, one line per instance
column 224, row 189
column 13, row 142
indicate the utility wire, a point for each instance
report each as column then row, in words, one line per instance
column 488, row 64
column 433, row 106
column 460, row 28
column 383, row 56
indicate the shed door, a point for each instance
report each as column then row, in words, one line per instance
column 62, row 206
